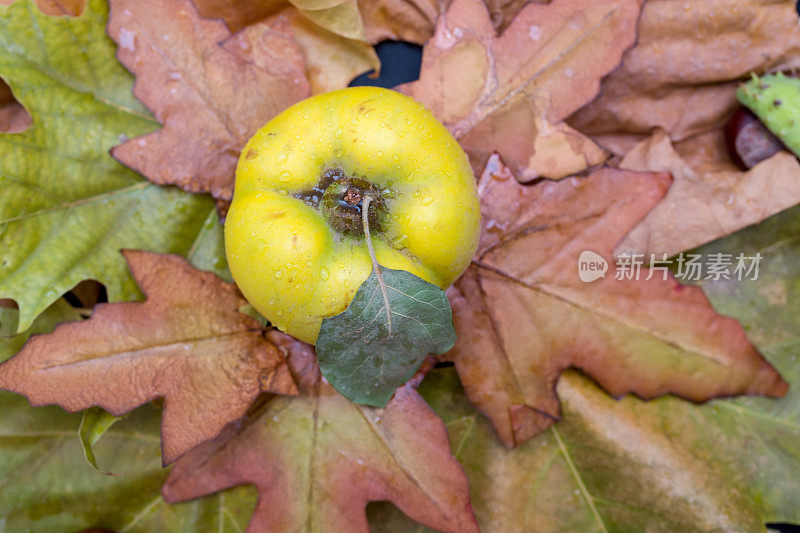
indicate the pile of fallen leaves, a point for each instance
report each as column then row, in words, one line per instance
column 592, row 125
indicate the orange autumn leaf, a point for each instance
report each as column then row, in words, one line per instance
column 317, row 459
column 511, row 93
column 523, row 315
column 210, row 90
column 187, row 343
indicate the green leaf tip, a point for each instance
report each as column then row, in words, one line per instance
column 95, row 422
column 366, row 352
column 775, row 99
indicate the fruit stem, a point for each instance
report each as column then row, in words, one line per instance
column 375, row 265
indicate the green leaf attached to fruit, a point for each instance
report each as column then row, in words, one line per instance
column 378, row 343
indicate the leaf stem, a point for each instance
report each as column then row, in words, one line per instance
column 375, row 265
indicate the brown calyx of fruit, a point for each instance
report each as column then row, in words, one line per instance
column 340, row 198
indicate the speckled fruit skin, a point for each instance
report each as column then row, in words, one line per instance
column 285, row 256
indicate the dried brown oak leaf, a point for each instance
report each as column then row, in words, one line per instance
column 187, row 343
column 511, row 93
column 317, row 459
column 523, row 315
column 683, row 72
column 709, row 201
column 210, row 90
column 415, row 20
column 330, row 34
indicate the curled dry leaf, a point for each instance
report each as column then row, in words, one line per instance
column 330, row 34
column 523, row 315
column 511, row 93
column 400, row 20
column 211, row 91
column 683, row 72
column 415, row 20
column 187, row 343
column 709, row 200
column 332, row 61
column 317, row 459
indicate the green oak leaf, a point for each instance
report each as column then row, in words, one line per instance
column 383, row 336
column 47, row 485
column 67, row 207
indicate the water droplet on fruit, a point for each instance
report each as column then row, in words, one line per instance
column 338, row 152
column 283, row 192
column 397, row 242
column 426, row 200
column 280, row 158
column 284, row 176
column 323, row 273
column 278, row 274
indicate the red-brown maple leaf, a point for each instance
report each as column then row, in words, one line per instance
column 511, row 93
column 211, row 90
column 187, row 343
column 523, row 315
column 318, row 459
